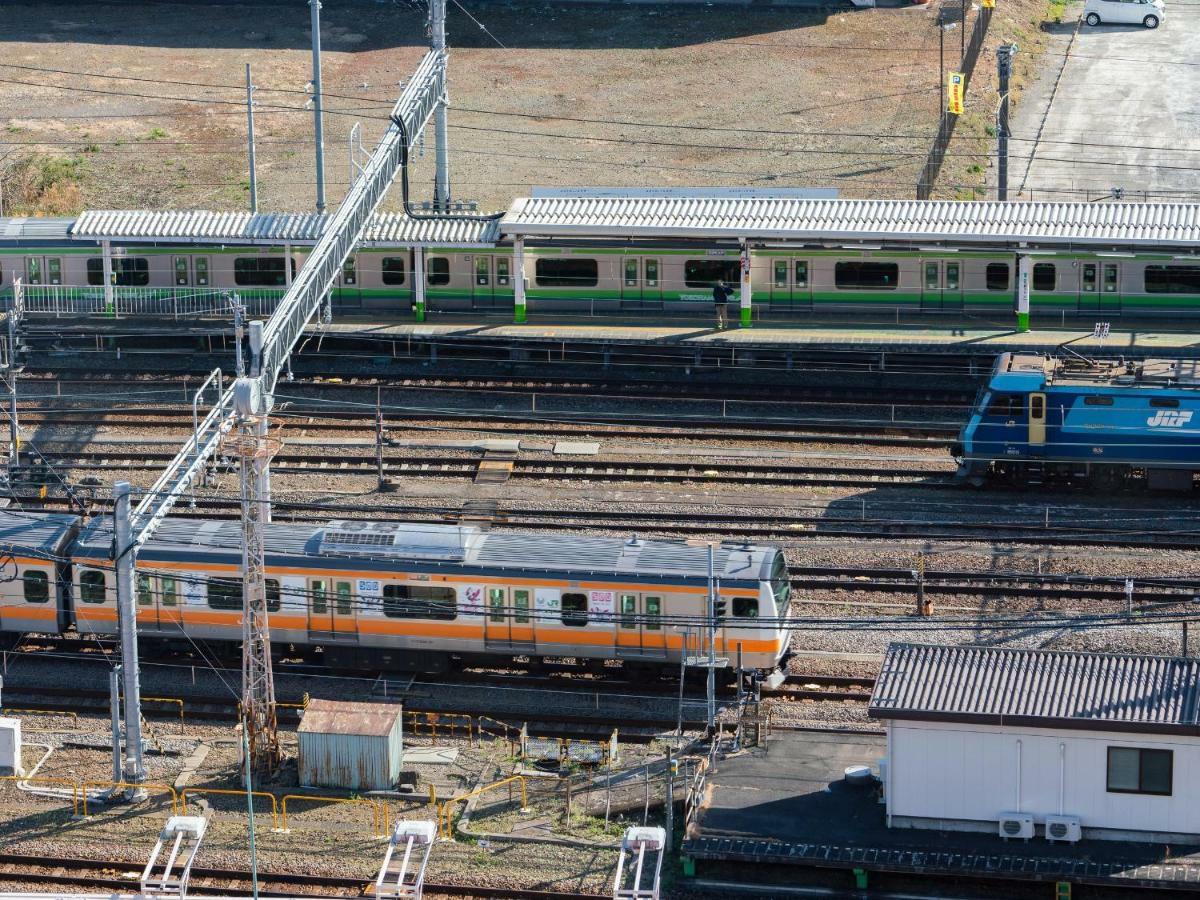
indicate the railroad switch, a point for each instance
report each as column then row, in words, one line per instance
column 402, row 876
column 642, row 851
column 169, row 878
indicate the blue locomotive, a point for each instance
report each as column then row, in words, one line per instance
column 1074, row 420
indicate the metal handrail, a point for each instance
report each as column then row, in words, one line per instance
column 139, row 786
column 376, row 817
column 444, row 815
column 183, row 797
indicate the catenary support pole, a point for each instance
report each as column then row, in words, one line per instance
column 1024, row 279
column 135, row 771
column 250, row 141
column 437, row 31
column 518, row 276
column 1004, row 55
column 114, row 699
column 711, row 683
column 106, row 254
column 14, row 423
column 318, row 122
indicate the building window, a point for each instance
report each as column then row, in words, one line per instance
column 574, row 610
column 577, row 273
column 704, row 273
column 1133, row 770
column 1172, row 279
column 1044, row 277
column 260, row 271
column 875, row 275
column 393, row 270
column 37, row 586
column 412, row 601
column 127, row 271
column 91, row 586
column 224, row 593
column 997, row 276
column 437, row 271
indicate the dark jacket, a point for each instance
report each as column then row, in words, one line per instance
column 721, row 294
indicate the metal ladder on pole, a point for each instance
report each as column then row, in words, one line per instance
column 403, row 875
column 169, row 878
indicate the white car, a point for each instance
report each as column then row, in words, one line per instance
column 1125, row 12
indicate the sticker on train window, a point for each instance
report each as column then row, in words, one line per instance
column 195, row 592
column 471, row 602
column 369, row 587
column 547, row 600
column 602, row 604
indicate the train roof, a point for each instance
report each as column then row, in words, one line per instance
column 1022, row 372
column 432, row 544
column 35, row 533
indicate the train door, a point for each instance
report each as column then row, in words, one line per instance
column 1037, row 422
column 183, row 275
column 640, row 628
column 952, row 290
column 483, row 295
column 43, row 270
column 347, row 296
column 781, row 282
column 931, row 284
column 641, row 283
column 331, row 609
column 1110, row 286
column 1089, row 283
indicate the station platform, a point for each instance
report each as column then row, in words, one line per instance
column 788, row 805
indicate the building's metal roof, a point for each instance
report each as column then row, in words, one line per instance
column 35, row 534
column 1039, row 688
column 988, row 223
column 200, row 226
column 346, row 717
column 23, row 228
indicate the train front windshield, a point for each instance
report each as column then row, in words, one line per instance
column 781, row 585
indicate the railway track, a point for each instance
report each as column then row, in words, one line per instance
column 821, row 688
column 119, row 875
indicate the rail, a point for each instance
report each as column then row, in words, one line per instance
column 225, row 791
column 444, row 816
column 128, row 785
column 377, row 819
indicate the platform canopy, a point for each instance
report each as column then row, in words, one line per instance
column 206, row 227
column 861, row 224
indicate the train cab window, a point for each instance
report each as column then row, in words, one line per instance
column 996, row 277
column 200, row 264
column 781, row 268
column 261, row 271
column 33, row 270
column 36, row 585
column 567, row 273
column 704, row 273
column 631, row 273
column 54, row 270
column 393, row 269
column 862, row 274
column 345, row 599
column 145, row 591
column 1172, row 279
column 1097, row 400
column 575, row 610
column 931, row 276
column 653, row 613
column 181, row 270
column 629, row 611
column 412, row 601
column 652, row 273
column 1045, row 277
column 781, row 583
column 952, row 276
column 502, row 271
column 1089, row 276
column 1165, row 403
column 801, row 273
column 437, row 271
column 349, row 272
column 521, row 607
column 169, row 591
column 274, row 596
column 224, row 593
column 92, row 588
column 318, row 592
column 745, row 607
column 496, row 604
column 1005, row 406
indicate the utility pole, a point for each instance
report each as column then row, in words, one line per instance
column 1004, row 57
column 711, row 684
column 437, row 35
column 11, row 367
column 318, row 123
column 250, row 141
column 123, row 549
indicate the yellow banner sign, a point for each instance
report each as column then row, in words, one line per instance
column 954, row 93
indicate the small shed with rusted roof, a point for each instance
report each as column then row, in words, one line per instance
column 352, row 745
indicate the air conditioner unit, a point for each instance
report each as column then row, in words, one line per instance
column 1063, row 828
column 1016, row 825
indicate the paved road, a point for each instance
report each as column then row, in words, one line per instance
column 1123, row 92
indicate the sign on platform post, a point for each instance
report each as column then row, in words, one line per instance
column 745, row 299
column 954, row 93
column 1024, row 276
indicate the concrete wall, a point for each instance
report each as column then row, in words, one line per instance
column 964, row 776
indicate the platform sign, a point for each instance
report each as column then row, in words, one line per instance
column 1024, row 277
column 954, row 93
column 1101, row 332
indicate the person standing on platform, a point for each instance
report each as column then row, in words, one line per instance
column 720, row 302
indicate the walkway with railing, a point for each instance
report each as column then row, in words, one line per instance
column 71, row 301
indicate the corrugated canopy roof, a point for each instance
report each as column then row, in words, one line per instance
column 201, row 226
column 349, row 717
column 830, row 221
column 1039, row 688
column 34, row 229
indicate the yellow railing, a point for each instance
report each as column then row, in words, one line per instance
column 450, row 724
column 488, row 725
column 174, row 700
column 183, row 797
column 40, row 712
column 131, row 786
column 70, row 782
column 377, row 818
column 444, row 815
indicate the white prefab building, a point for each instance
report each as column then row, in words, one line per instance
column 1032, row 743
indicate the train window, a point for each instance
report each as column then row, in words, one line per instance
column 1045, row 277
column 92, row 586
column 349, row 274
column 704, row 273
column 169, row 591
column 496, row 610
column 1165, row 403
column 1089, row 276
column 1005, row 406
column 652, row 273
column 745, row 607
column 574, row 610
column 393, row 269
column 33, row 270
column 145, row 591
column 224, row 593
column 261, row 271
column 996, row 276
column 37, row 586
column 653, row 613
column 801, row 273
column 631, row 273
column 345, row 599
column 318, row 591
column 127, row 271
column 502, row 270
column 781, row 584
column 54, row 270
column 1097, row 400
column 1110, row 279
column 274, row 595
column 952, row 276
column 1037, row 407
column 1172, row 279
column 200, row 263
column 181, row 270
column 877, row 275
column 629, row 611
column 567, row 273
column 483, row 274
column 437, row 271
column 521, row 607
column 931, row 276
column 781, row 268
column 410, row 601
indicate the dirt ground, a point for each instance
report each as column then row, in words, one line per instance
column 666, row 96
